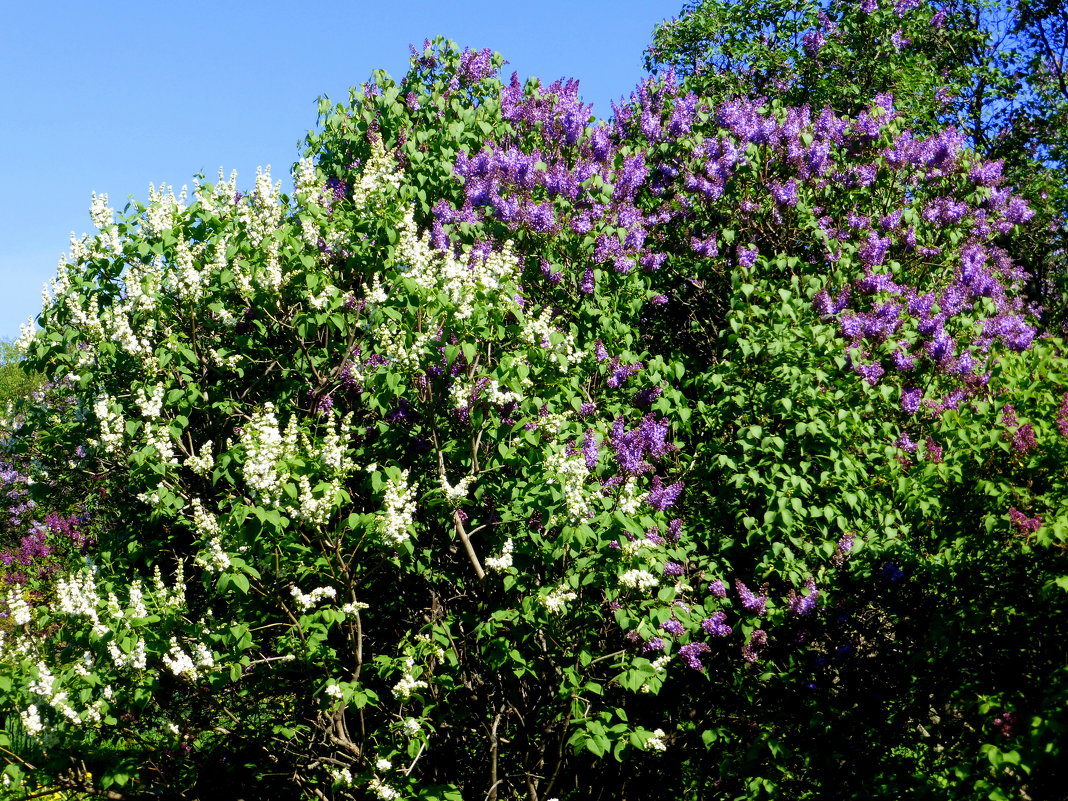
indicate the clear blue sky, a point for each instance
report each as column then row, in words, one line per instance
column 110, row 96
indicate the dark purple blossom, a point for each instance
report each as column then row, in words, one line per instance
column 673, row 627
column 803, row 605
column 673, row 569
column 750, row 601
column 757, row 640
column 717, row 589
column 662, row 497
column 1023, row 524
column 654, row 644
column 716, row 625
column 691, row 654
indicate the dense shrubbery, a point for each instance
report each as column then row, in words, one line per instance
column 709, row 451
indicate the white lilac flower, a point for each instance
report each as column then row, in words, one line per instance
column 398, row 514
column 638, row 579
column 455, row 494
column 556, row 599
column 203, row 462
column 340, row 776
column 408, row 684
column 379, row 178
column 179, row 662
column 504, row 561
column 383, row 764
column 354, row 608
column 31, row 720
column 539, row 332
column 657, row 741
column 112, row 423
column 570, row 472
column 307, row 601
column 18, row 608
column 335, row 691
column 383, row 791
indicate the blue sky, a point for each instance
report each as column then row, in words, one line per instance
column 108, row 97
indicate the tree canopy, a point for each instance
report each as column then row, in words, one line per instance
column 714, row 450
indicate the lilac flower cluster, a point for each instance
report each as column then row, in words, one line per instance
column 750, row 601
column 716, row 625
column 631, row 447
column 690, row 654
column 801, row 605
column 1023, row 524
column 751, row 650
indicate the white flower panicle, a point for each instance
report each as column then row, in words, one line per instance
column 31, row 721
column 557, row 598
column 408, row 684
column 630, row 499
column 78, row 597
column 638, row 579
column 213, row 557
column 163, row 209
column 455, row 495
column 203, row 462
column 307, row 600
column 217, row 199
column 264, row 449
column 158, row 436
column 440, row 271
column 382, row 790
column 186, row 664
column 398, row 514
column 150, row 405
column 461, row 393
column 112, row 423
column 18, row 608
column 380, row 177
column 539, row 331
column 502, row 562
column 657, row 742
column 570, row 472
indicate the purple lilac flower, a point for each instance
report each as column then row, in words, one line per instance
column 911, row 398
column 843, row 550
column 1062, row 416
column 1024, row 525
column 717, row 589
column 599, row 351
column 654, row 644
column 784, row 194
column 892, row 572
column 661, row 497
column 1023, row 440
column 673, row 627
column 674, row 530
column 673, row 569
column 813, row 42
column 589, row 449
column 691, row 654
column 803, row 605
column 934, row 451
column 751, row 602
column 645, row 397
column 757, row 640
column 621, row 372
column 747, row 256
column 716, row 625
column 586, row 409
